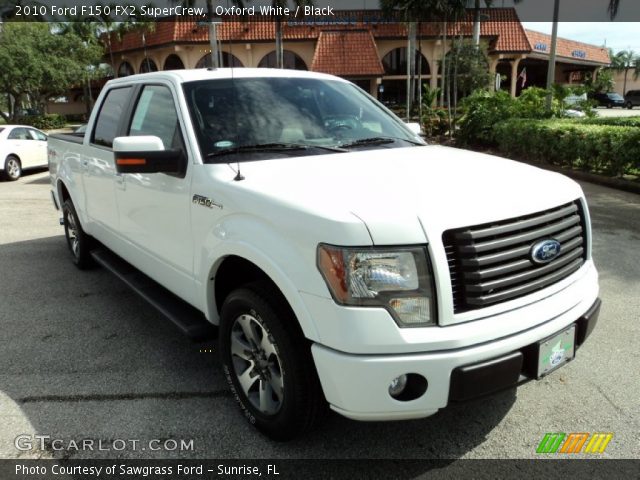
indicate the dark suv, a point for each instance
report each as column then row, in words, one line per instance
column 609, row 100
column 632, row 99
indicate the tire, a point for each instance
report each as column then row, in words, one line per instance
column 12, row 168
column 78, row 241
column 268, row 364
column 630, row 105
column 609, row 105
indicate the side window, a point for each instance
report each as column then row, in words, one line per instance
column 37, row 135
column 108, row 120
column 155, row 114
column 19, row 134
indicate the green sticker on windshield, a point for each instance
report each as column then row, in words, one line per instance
column 224, row 144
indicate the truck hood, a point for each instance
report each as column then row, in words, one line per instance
column 408, row 195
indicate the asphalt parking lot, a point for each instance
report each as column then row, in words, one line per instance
column 81, row 357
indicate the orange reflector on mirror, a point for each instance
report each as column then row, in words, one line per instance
column 131, row 161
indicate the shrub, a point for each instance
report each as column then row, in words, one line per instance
column 613, row 121
column 482, row 110
column 605, row 149
column 43, row 122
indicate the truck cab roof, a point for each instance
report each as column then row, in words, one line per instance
column 191, row 75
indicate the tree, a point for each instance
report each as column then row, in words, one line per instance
column 279, row 41
column 471, row 66
column 623, row 61
column 614, row 6
column 39, row 64
column 477, row 18
column 603, row 83
column 412, row 11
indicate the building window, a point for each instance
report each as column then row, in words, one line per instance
column 395, row 62
column 173, row 62
column 291, row 61
column 228, row 60
column 125, row 69
column 148, row 65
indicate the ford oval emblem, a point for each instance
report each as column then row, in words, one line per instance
column 545, row 251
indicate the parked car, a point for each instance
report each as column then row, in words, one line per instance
column 21, row 148
column 571, row 113
column 344, row 260
column 609, row 100
column 632, row 99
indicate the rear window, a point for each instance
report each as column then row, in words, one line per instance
column 110, row 115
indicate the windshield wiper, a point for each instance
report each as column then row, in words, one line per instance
column 376, row 141
column 271, row 147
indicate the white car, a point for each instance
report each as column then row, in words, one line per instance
column 21, row 148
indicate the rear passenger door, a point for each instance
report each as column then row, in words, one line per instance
column 155, row 208
column 21, row 144
column 98, row 166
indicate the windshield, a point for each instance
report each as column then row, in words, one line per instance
column 615, row 96
column 261, row 118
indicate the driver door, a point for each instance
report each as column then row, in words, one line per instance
column 155, row 208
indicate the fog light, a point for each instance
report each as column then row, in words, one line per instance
column 397, row 386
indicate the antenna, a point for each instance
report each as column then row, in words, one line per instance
column 239, row 177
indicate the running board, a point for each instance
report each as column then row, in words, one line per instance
column 188, row 319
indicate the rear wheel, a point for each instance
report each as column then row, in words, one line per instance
column 78, row 241
column 12, row 168
column 268, row 364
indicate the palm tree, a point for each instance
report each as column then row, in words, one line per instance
column 279, row 4
column 477, row 18
column 412, row 11
column 614, row 6
column 213, row 40
column 624, row 61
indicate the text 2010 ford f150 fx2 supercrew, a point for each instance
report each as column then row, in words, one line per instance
column 343, row 260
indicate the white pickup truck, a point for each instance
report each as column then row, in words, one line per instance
column 343, row 260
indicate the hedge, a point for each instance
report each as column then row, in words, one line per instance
column 602, row 149
column 43, row 122
column 612, row 121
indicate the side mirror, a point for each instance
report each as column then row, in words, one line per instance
column 414, row 127
column 146, row 154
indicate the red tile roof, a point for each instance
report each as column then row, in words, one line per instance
column 502, row 28
column 541, row 43
column 347, row 53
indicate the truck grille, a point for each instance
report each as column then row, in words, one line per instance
column 491, row 263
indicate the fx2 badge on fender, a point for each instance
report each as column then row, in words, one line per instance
column 205, row 202
column 545, row 251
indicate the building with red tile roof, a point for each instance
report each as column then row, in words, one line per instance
column 360, row 45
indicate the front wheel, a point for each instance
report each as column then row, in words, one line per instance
column 629, row 105
column 12, row 168
column 268, row 364
column 78, row 241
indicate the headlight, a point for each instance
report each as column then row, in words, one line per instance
column 398, row 279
